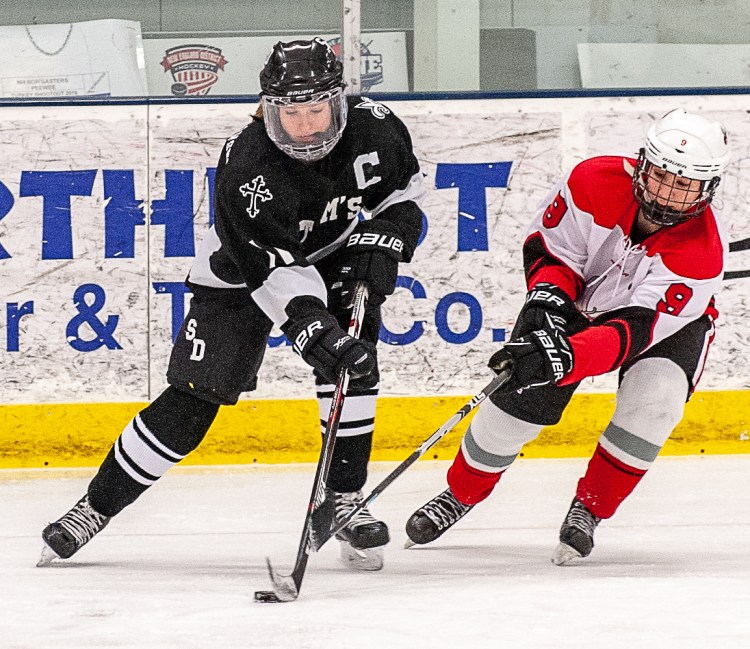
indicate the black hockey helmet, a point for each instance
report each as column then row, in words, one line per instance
column 302, row 83
column 301, row 68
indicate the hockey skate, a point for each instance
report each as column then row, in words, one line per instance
column 434, row 518
column 576, row 534
column 67, row 535
column 364, row 537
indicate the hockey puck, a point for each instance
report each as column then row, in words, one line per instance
column 266, row 597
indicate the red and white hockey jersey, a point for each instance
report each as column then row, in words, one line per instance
column 635, row 294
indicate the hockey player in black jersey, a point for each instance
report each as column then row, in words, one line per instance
column 288, row 244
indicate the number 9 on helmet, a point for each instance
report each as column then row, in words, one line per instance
column 302, row 97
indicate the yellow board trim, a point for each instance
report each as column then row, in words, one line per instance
column 282, row 431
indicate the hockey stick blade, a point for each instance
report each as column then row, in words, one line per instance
column 284, row 588
column 497, row 383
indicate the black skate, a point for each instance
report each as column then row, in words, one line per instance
column 576, row 534
column 363, row 538
column 435, row 517
column 67, row 535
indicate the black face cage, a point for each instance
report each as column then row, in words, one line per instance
column 661, row 214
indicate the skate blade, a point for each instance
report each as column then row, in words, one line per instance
column 48, row 556
column 369, row 559
column 564, row 553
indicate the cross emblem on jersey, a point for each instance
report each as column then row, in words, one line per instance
column 255, row 190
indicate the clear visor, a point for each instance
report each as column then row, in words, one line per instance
column 305, row 129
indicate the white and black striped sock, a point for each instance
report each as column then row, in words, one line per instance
column 357, row 415
column 143, row 457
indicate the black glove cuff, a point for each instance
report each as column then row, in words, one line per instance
column 303, row 306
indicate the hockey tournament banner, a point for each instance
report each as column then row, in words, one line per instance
column 179, row 67
column 97, row 58
column 102, row 209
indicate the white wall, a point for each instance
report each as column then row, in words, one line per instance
column 74, row 241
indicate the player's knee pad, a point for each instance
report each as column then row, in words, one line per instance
column 650, row 403
column 495, row 438
column 651, row 399
column 179, row 420
column 162, row 435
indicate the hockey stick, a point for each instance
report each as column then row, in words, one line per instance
column 319, row 516
column 498, row 382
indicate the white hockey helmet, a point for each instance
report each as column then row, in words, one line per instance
column 688, row 146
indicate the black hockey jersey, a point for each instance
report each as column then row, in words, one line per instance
column 275, row 216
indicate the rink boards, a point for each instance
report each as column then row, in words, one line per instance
column 279, row 431
column 103, row 207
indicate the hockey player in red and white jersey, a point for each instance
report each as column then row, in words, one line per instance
column 622, row 262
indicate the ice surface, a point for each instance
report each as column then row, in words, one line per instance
column 178, row 569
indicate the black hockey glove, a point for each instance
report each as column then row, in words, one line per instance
column 371, row 255
column 540, row 358
column 542, row 299
column 322, row 343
